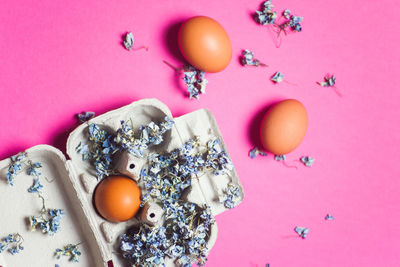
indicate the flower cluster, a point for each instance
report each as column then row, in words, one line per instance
column 247, row 59
column 307, row 161
column 217, row 159
column 150, row 134
column 277, row 77
column 104, row 145
column 232, row 196
column 182, row 237
column 254, row 152
column 329, row 81
column 128, row 41
column 266, row 16
column 48, row 220
column 168, row 175
column 13, row 243
column 195, row 81
column 269, row 17
column 15, row 168
column 302, row 231
column 70, row 250
column 85, row 116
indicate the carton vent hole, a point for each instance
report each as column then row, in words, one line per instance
column 131, row 166
column 152, row 215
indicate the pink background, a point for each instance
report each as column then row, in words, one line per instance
column 59, row 58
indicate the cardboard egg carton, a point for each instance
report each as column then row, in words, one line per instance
column 69, row 185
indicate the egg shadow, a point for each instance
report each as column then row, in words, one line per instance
column 170, row 41
column 254, row 126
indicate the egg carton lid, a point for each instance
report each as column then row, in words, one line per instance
column 68, row 191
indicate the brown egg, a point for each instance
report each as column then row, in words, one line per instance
column 205, row 44
column 117, row 198
column 284, row 126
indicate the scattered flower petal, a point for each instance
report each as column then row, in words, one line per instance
column 15, row 168
column 35, row 188
column 85, row 116
column 247, row 59
column 12, row 243
column 254, row 152
column 329, row 81
column 129, row 40
column 280, row 157
column 302, row 231
column 277, row 77
column 71, row 251
column 329, row 217
column 307, row 161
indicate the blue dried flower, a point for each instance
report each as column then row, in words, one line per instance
column 48, row 221
column 12, row 243
column 232, row 196
column 15, row 168
column 329, row 217
column 247, row 59
column 266, row 16
column 33, row 169
column 85, row 116
column 294, row 23
column 35, row 188
column 329, row 81
column 286, row 14
column 302, row 231
column 307, row 161
column 129, row 40
column 194, row 80
column 71, row 251
column 254, row 152
column 277, row 77
column 280, row 157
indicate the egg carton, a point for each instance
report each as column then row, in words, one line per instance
column 69, row 184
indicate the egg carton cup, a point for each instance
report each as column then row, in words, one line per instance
column 69, row 185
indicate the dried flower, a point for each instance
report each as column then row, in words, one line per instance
column 277, row 77
column 35, row 188
column 129, row 40
column 254, row 152
column 194, row 80
column 329, row 81
column 269, row 17
column 13, row 243
column 71, row 251
column 85, row 116
column 307, row 161
column 232, row 195
column 302, row 231
column 247, row 59
column 33, row 169
column 48, row 220
column 266, row 16
column 329, row 217
column 15, row 168
column 183, row 237
column 280, row 157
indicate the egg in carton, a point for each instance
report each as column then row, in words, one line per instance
column 74, row 181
